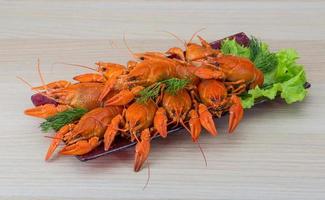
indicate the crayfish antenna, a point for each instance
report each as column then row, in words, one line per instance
column 128, row 48
column 148, row 177
column 75, row 65
column 29, row 85
column 197, row 142
column 38, row 67
column 194, row 34
column 176, row 37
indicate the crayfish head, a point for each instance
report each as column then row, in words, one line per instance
column 110, row 70
column 195, row 51
column 80, row 95
column 140, row 72
column 177, row 105
column 93, row 123
column 212, row 93
column 176, row 52
column 64, row 96
column 139, row 116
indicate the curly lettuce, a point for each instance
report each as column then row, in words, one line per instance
column 282, row 75
column 287, row 80
column 233, row 48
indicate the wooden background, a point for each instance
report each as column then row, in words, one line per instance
column 277, row 152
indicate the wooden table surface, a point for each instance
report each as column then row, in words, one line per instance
column 277, row 152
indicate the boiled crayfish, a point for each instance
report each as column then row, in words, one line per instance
column 145, row 98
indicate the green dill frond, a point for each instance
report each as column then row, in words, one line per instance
column 255, row 47
column 263, row 59
column 62, row 118
column 173, row 85
column 150, row 92
column 266, row 62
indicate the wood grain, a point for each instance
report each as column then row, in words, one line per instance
column 277, row 151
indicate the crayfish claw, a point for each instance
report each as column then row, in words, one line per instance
column 195, row 125
column 81, row 147
column 89, row 77
column 123, row 97
column 45, row 111
column 142, row 150
column 160, row 122
column 57, row 139
column 111, row 131
column 236, row 112
column 207, row 120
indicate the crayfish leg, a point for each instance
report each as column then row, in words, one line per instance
column 107, row 88
column 123, row 97
column 81, row 147
column 236, row 112
column 142, row 150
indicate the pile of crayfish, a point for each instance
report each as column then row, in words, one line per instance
column 181, row 87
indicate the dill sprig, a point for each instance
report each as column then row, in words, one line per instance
column 59, row 120
column 263, row 59
column 266, row 62
column 172, row 86
column 255, row 47
column 150, row 92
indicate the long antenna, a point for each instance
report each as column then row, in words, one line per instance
column 34, row 90
column 195, row 33
column 205, row 159
column 24, row 81
column 128, row 48
column 197, row 142
column 176, row 37
column 76, row 65
column 148, row 177
column 40, row 74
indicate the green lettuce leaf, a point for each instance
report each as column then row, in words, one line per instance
column 287, row 79
column 233, row 48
